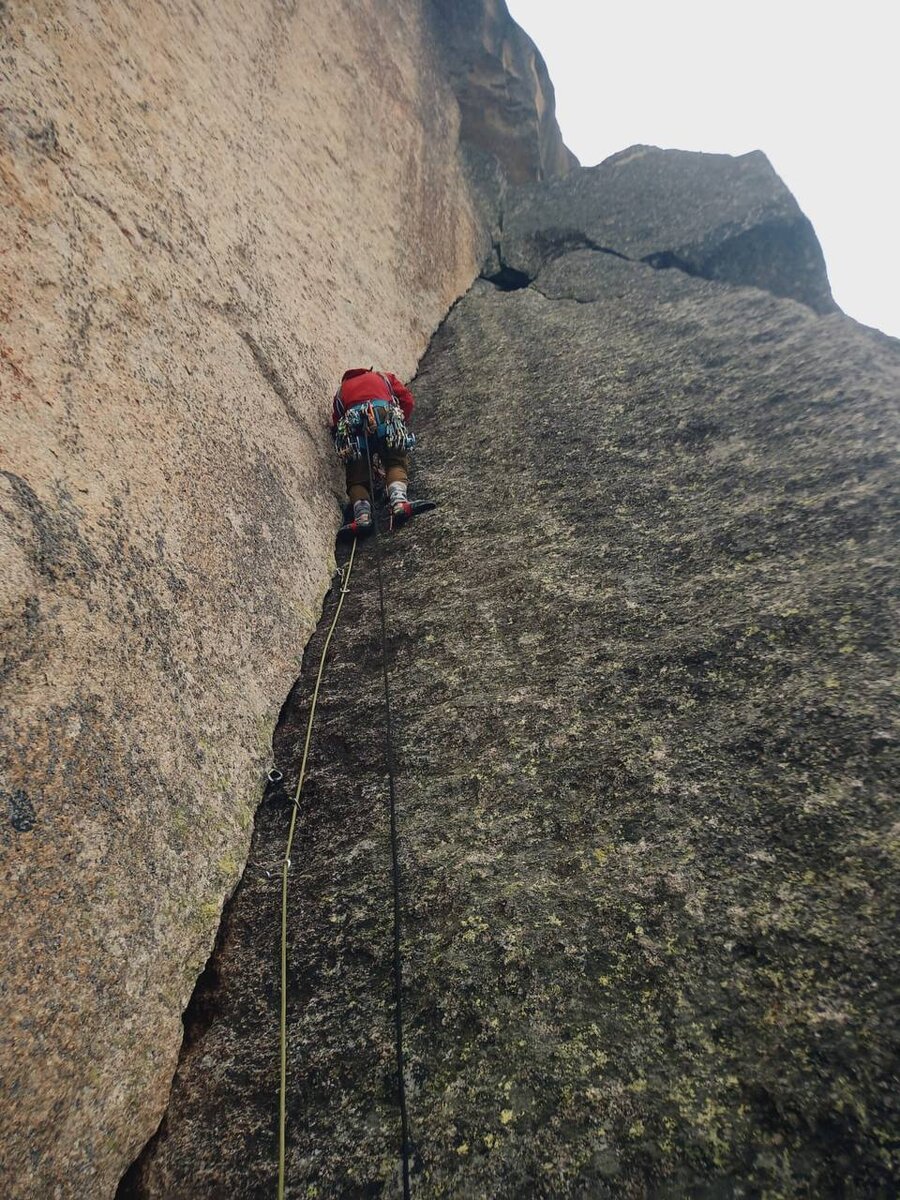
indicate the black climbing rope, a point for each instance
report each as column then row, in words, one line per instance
column 395, row 862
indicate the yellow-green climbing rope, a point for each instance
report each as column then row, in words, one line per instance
column 285, row 868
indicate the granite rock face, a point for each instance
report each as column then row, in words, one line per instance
column 647, row 750
column 208, row 212
column 505, row 95
column 712, row 215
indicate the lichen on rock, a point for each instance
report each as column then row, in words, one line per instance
column 209, row 211
column 644, row 706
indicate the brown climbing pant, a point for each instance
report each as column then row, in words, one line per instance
column 396, row 465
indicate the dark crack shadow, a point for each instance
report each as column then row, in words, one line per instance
column 270, row 373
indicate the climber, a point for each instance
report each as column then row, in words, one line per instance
column 373, row 407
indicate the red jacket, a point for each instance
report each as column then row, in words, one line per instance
column 359, row 385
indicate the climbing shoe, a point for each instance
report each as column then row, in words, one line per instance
column 409, row 508
column 401, row 510
column 398, row 502
column 361, row 522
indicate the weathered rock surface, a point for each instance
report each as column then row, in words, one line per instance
column 505, row 96
column 647, row 750
column 712, row 215
column 208, row 211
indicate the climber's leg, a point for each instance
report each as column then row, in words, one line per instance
column 402, row 508
column 358, row 493
column 358, row 480
column 397, row 478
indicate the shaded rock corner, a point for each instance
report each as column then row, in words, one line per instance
column 646, row 753
column 200, row 209
column 643, row 654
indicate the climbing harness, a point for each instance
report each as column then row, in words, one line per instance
column 367, row 433
column 286, row 866
column 378, row 419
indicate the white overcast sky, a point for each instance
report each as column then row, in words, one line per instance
column 812, row 84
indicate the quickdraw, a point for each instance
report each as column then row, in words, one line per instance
column 377, row 419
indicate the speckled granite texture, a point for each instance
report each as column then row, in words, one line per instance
column 208, row 211
column 647, row 750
